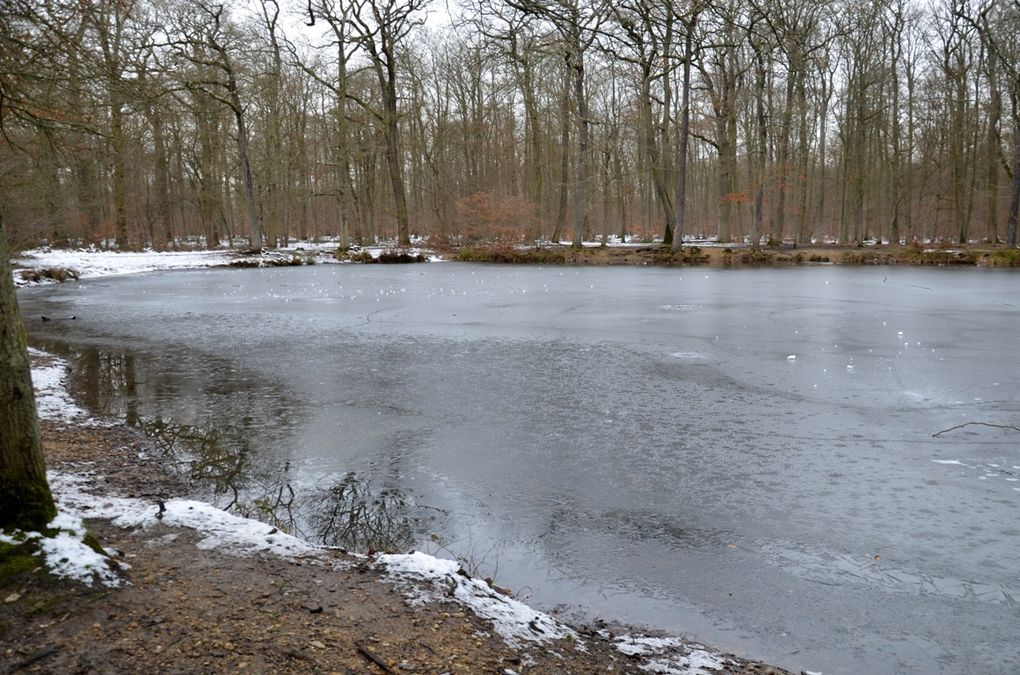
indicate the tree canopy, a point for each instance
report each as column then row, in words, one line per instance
column 164, row 122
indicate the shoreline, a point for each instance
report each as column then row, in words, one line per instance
column 48, row 266
column 194, row 605
column 734, row 256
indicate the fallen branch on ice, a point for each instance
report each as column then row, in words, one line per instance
column 979, row 424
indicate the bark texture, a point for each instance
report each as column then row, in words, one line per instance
column 25, row 499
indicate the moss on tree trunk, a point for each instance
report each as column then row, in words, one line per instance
column 25, row 499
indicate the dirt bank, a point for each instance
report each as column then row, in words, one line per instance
column 743, row 256
column 192, row 609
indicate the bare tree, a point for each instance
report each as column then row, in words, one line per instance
column 998, row 24
column 642, row 42
column 379, row 27
column 207, row 40
column 687, row 17
column 578, row 23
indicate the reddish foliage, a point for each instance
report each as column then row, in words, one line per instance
column 485, row 216
column 737, row 198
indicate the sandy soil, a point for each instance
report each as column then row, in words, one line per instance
column 188, row 610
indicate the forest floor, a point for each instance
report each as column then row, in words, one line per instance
column 189, row 608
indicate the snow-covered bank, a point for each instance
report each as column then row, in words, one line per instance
column 92, row 262
column 421, row 577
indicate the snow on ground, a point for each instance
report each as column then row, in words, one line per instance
column 66, row 554
column 513, row 620
column 219, row 529
column 49, row 378
column 93, row 262
column 670, row 656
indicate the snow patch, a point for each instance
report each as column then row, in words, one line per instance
column 220, row 530
column 66, row 554
column 671, row 656
column 513, row 620
column 49, row 380
column 92, row 262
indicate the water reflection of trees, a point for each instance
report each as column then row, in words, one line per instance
column 200, row 456
column 355, row 516
column 358, row 511
column 352, row 513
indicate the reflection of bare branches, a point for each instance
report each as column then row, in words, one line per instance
column 351, row 513
column 276, row 507
column 201, row 456
column 1009, row 427
column 355, row 517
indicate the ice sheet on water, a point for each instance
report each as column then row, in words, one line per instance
column 827, row 566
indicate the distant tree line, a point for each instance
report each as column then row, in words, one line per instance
column 169, row 122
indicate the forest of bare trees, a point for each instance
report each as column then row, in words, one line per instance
column 168, row 123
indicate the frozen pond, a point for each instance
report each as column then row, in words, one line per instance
column 635, row 444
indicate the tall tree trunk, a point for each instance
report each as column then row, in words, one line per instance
column 254, row 227
column 908, row 170
column 761, row 151
column 275, row 228
column 25, row 499
column 897, row 150
column 384, row 63
column 685, row 137
column 1014, row 202
column 396, row 170
column 804, row 162
column 561, row 210
column 164, row 234
column 652, row 149
column 957, row 139
column 117, row 143
column 823, row 135
column 992, row 150
column 575, row 62
column 783, row 154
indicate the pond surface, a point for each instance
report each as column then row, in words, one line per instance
column 635, row 444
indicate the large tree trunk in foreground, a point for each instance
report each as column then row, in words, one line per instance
column 25, row 499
